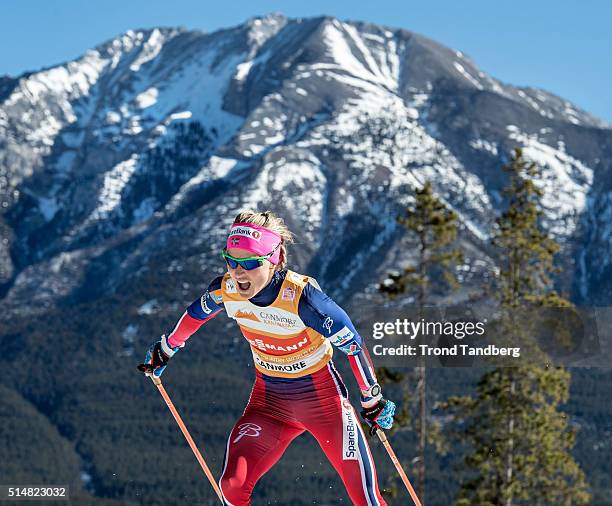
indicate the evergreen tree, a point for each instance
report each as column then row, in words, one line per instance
column 519, row 439
column 435, row 229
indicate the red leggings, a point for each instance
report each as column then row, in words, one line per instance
column 281, row 409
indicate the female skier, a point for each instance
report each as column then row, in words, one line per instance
column 292, row 327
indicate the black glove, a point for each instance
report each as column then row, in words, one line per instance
column 157, row 358
column 379, row 415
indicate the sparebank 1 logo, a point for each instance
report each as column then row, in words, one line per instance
column 247, row 429
column 349, row 432
column 251, row 233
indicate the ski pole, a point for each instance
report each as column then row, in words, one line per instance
column 194, row 448
column 383, row 438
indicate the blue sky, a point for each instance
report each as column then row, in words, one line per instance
column 562, row 46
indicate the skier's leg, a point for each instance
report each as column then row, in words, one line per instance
column 335, row 425
column 255, row 444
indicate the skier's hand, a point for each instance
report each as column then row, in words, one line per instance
column 157, row 358
column 377, row 412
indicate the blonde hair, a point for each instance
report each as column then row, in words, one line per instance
column 275, row 223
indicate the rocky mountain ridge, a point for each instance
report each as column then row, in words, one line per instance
column 148, row 144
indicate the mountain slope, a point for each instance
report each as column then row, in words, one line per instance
column 166, row 128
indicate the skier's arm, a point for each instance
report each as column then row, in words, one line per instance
column 321, row 313
column 197, row 314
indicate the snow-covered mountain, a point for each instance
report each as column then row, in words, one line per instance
column 139, row 154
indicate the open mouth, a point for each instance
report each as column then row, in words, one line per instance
column 244, row 286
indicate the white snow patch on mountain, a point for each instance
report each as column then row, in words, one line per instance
column 112, row 118
column 115, row 181
column 386, row 73
column 148, row 307
column 571, row 114
column 460, row 68
column 299, row 175
column 134, row 127
column 62, row 85
column 198, row 90
column 242, row 70
column 150, row 49
column 263, row 28
column 419, row 98
column 345, row 203
column 129, row 334
column 275, row 139
column 300, row 183
column 179, row 115
column 221, row 167
column 484, row 145
column 541, row 107
column 146, row 98
column 346, row 61
column 307, row 186
column 194, row 91
column 530, row 101
column 565, row 181
column 412, row 156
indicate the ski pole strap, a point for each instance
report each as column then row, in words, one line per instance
column 188, row 437
column 383, row 438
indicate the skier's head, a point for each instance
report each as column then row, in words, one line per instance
column 260, row 235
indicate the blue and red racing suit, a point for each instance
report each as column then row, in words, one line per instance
column 292, row 327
